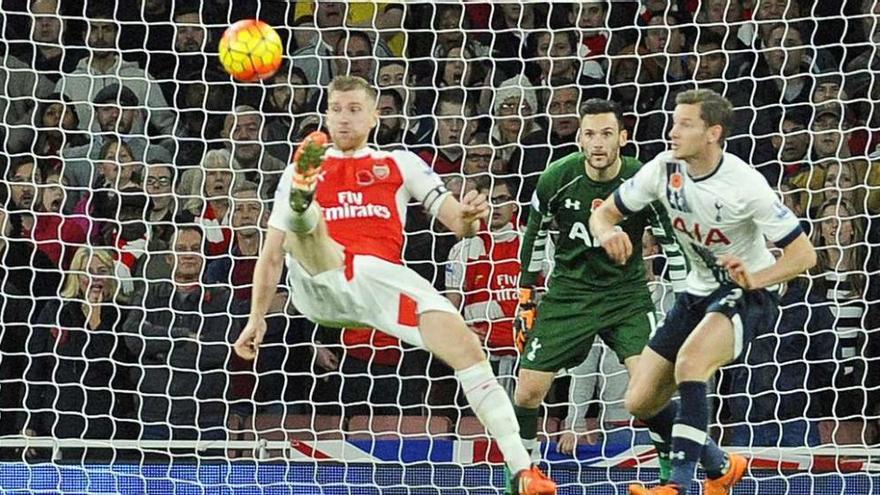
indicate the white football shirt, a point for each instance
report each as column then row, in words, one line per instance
column 730, row 211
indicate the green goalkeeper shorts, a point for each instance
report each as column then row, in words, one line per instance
column 567, row 325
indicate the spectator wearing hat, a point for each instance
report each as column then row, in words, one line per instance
column 518, row 138
column 104, row 66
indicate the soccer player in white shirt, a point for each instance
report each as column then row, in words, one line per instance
column 722, row 210
column 338, row 216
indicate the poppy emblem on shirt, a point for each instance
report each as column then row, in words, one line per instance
column 364, row 177
column 381, row 171
column 675, row 180
column 596, row 204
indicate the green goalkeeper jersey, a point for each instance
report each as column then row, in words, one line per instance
column 563, row 201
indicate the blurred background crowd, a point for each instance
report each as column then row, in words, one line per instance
column 137, row 180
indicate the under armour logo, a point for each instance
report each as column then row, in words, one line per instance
column 533, row 348
column 572, row 204
column 677, row 455
column 718, row 207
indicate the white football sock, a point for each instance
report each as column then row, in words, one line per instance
column 305, row 222
column 494, row 409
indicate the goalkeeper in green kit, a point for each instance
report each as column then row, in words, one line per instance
column 588, row 293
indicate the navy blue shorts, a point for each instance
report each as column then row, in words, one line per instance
column 752, row 313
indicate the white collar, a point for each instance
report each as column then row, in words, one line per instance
column 361, row 152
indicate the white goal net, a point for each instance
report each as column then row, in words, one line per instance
column 136, row 179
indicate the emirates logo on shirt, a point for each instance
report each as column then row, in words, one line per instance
column 352, row 205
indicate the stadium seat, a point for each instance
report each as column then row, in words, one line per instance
column 396, row 427
column 848, row 432
column 304, row 427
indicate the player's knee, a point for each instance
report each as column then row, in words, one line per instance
column 528, row 395
column 636, row 403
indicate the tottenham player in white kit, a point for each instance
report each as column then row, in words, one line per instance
column 337, row 221
column 723, row 211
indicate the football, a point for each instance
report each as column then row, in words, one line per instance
column 250, row 50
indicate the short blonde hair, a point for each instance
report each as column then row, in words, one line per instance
column 79, row 267
column 353, row 83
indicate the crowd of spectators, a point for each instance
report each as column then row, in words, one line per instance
column 137, row 180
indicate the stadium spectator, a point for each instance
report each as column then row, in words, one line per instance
column 783, row 70
column 452, row 29
column 316, row 58
column 383, row 17
column 20, row 263
column 380, row 375
column 45, row 51
column 179, row 332
column 237, row 267
column 104, row 67
column 445, row 151
column 848, row 369
column 725, row 18
column 57, row 236
column 117, row 171
column 392, row 73
column 518, row 138
column 22, row 176
column 205, row 194
column 202, row 108
column 482, row 277
column 236, row 271
column 22, row 86
column 159, row 186
column 459, row 68
column 119, row 118
column 563, row 106
column 557, row 58
column 77, row 347
column 791, row 146
column 284, row 105
column 243, row 130
column 54, row 235
column 57, row 129
column 479, row 164
column 842, row 183
column 353, row 56
column 390, row 132
column 512, row 23
column 178, row 53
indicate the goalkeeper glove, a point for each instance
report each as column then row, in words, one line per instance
column 525, row 316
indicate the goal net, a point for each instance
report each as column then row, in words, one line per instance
column 137, row 179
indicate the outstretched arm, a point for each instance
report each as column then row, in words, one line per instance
column 267, row 273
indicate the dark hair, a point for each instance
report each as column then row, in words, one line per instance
column 343, row 40
column 596, row 106
column 388, row 62
column 17, row 162
column 487, row 183
column 398, row 100
column 707, row 37
column 714, row 108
